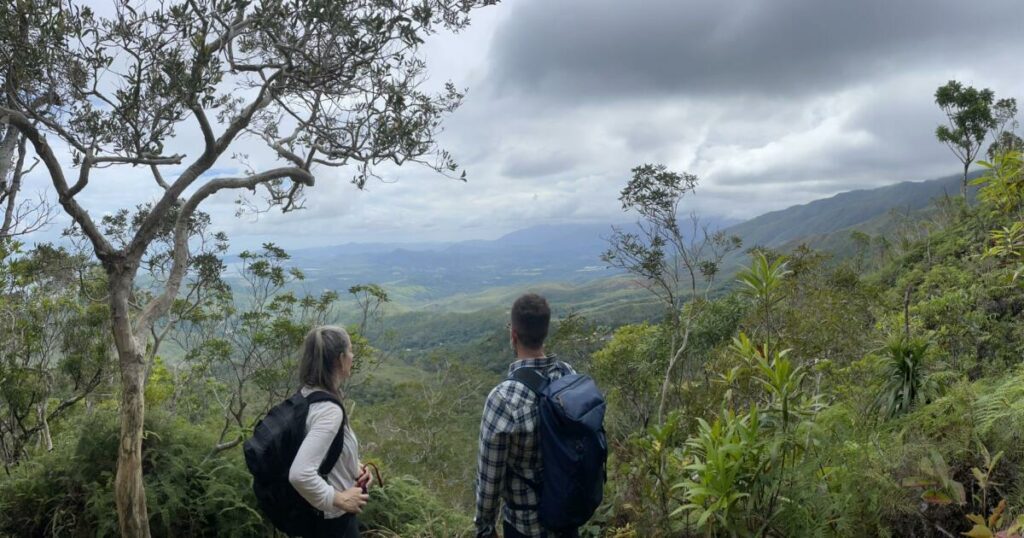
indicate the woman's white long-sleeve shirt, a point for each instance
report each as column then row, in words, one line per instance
column 322, row 424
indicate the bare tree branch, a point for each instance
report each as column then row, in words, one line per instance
column 158, row 306
column 81, row 217
column 204, row 162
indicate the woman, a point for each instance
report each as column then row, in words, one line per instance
column 326, row 362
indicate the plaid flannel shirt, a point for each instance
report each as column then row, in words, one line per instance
column 509, row 453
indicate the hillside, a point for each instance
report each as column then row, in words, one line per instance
column 826, row 381
column 564, row 259
column 864, row 209
column 455, row 293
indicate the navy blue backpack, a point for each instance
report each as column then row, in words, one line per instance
column 572, row 446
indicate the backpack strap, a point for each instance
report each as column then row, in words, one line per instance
column 334, row 452
column 532, row 378
column 536, row 382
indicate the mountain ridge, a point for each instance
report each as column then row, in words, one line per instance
column 420, row 275
column 843, row 211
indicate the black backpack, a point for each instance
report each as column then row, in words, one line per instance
column 269, row 455
column 573, row 447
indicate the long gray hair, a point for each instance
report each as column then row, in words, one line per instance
column 321, row 352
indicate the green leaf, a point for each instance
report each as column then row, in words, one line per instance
column 934, row 496
column 978, row 531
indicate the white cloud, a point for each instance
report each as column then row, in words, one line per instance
column 565, row 98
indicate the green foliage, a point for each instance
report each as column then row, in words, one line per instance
column 762, row 280
column 969, row 112
column 576, row 339
column 1004, row 142
column 69, row 492
column 437, row 442
column 997, row 409
column 727, row 459
column 406, row 508
column 781, row 381
column 654, row 188
column 990, row 527
column 643, row 471
column 762, row 283
column 935, row 478
column 906, row 382
column 249, row 341
column 828, row 313
column 1003, row 189
column 1008, row 244
column 838, row 470
column 627, row 369
column 160, row 385
column 55, row 349
column 371, row 299
column 1002, row 184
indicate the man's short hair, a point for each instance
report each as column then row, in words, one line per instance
column 531, row 316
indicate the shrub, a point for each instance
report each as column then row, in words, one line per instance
column 405, row 508
column 69, row 491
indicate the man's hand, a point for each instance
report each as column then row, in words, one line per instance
column 493, row 533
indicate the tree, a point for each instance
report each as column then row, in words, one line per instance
column 629, row 368
column 1004, row 112
column 576, row 339
column 371, row 299
column 251, row 342
column 54, row 344
column 862, row 245
column 320, row 85
column 969, row 113
column 1007, row 141
column 21, row 216
column 676, row 264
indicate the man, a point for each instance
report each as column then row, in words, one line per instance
column 509, row 465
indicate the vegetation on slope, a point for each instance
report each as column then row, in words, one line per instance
column 811, row 395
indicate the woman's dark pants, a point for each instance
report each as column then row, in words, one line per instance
column 345, row 526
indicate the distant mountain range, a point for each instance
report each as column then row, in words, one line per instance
column 469, row 274
column 426, row 273
column 844, row 212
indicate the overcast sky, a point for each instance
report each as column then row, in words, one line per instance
column 770, row 103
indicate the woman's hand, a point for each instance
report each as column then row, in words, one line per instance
column 365, row 479
column 352, row 500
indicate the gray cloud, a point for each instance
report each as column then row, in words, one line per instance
column 771, row 102
column 536, row 164
column 575, row 49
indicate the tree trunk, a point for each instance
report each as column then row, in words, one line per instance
column 668, row 373
column 963, row 186
column 44, row 435
column 671, row 364
column 129, row 491
column 8, row 144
